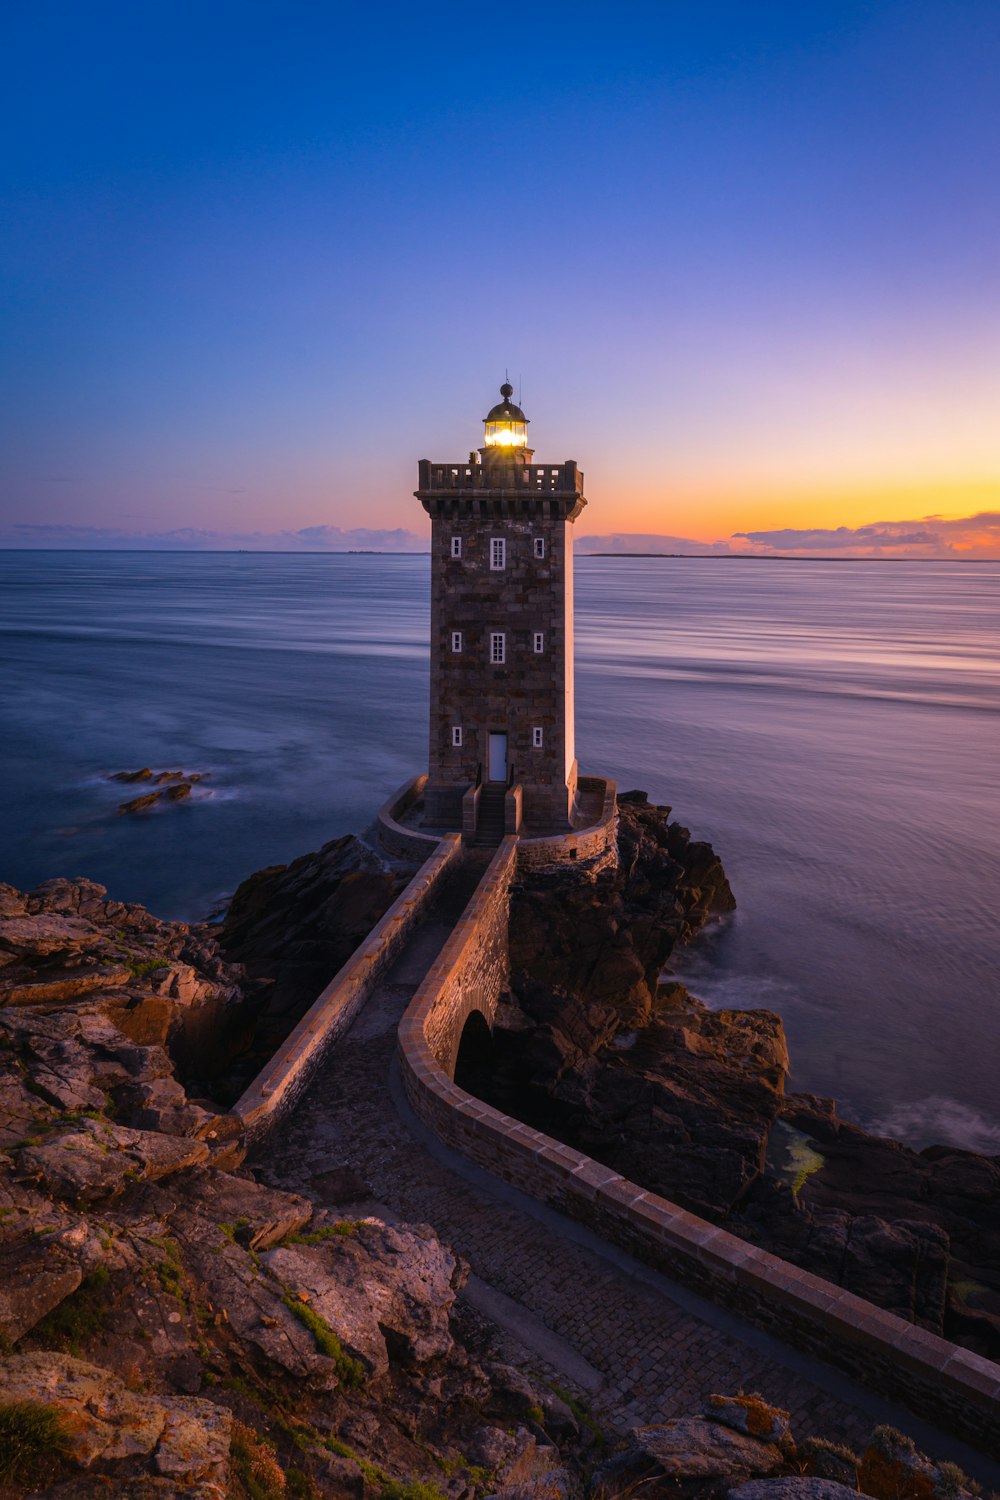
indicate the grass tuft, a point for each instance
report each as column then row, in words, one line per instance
column 31, row 1436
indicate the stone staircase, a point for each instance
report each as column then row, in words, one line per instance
column 489, row 821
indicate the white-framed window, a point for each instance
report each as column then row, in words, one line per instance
column 537, row 737
column 456, row 546
column 498, row 646
column 456, row 734
column 498, row 553
column 539, row 547
column 539, row 642
column 456, row 640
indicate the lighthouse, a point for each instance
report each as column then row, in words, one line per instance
column 501, row 751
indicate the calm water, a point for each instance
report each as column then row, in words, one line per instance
column 831, row 727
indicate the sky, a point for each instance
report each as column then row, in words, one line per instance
column 741, row 261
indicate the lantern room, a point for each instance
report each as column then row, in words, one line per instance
column 506, row 428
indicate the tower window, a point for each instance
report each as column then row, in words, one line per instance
column 498, row 553
column 456, row 546
column 539, row 547
column 456, row 640
column 498, row 646
column 537, row 737
column 539, row 639
column 456, row 734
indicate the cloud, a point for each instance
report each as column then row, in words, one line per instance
column 932, row 536
column 650, row 542
column 192, row 539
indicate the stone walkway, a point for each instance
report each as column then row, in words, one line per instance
column 656, row 1349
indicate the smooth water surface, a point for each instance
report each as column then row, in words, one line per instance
column 832, row 727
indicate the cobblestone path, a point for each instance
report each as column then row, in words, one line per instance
column 658, row 1351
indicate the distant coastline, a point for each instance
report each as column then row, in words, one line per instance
column 375, row 552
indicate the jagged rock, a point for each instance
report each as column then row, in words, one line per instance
column 95, row 1159
column 45, row 933
column 386, row 1292
column 264, row 1214
column 525, row 1397
column 35, row 1276
column 694, row 1448
column 186, row 1437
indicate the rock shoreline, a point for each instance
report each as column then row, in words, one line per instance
column 599, row 1051
column 170, row 1326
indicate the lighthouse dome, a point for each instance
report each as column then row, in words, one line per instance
column 506, row 425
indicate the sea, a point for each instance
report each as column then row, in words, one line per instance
column 833, row 727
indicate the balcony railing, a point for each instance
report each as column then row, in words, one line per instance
column 531, row 479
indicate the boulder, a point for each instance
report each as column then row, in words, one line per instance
column 693, row 1448
column 752, row 1415
column 386, row 1292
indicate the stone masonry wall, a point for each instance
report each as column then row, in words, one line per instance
column 529, row 689
column 949, row 1385
column 279, row 1083
column 473, row 968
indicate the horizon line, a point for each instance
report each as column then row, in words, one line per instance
column 378, row 552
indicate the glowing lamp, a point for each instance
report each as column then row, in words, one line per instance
column 506, row 425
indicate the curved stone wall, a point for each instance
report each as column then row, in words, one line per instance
column 396, row 837
column 594, row 845
column 950, row 1385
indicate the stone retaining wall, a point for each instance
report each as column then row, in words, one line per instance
column 279, row 1084
column 396, row 839
column 595, row 845
column 941, row 1381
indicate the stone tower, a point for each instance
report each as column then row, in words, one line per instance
column 501, row 629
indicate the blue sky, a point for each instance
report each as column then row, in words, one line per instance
column 742, row 260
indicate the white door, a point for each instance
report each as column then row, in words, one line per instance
column 498, row 757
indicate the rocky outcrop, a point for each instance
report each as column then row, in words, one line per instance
column 66, row 945
column 742, row 1448
column 172, row 1327
column 161, row 787
column 597, row 1050
column 124, row 1432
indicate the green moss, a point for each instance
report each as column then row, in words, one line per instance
column 147, row 966
column 342, row 1229
column 349, row 1371
column 80, row 1317
column 411, row 1489
column 32, row 1434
